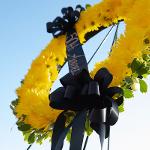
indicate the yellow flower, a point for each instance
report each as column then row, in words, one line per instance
column 33, row 93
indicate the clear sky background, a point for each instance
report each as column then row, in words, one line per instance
column 22, row 36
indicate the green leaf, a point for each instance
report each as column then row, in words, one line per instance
column 26, row 135
column 128, row 93
column 88, row 128
column 69, row 135
column 87, row 6
column 135, row 75
column 69, row 117
column 42, row 136
column 31, row 138
column 24, row 127
column 39, row 139
column 14, row 102
column 121, row 108
column 22, row 81
column 135, row 65
column 13, row 109
column 143, row 86
column 143, row 69
column 145, row 75
column 146, row 57
column 129, row 65
column 139, row 67
column 129, row 80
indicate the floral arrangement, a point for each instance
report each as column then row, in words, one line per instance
column 35, row 117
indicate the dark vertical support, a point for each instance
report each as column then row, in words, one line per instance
column 85, row 144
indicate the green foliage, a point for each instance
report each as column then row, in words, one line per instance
column 128, row 82
column 121, row 108
column 15, row 102
column 13, row 105
column 32, row 135
column 69, row 116
column 24, row 127
column 128, row 93
column 143, row 86
column 39, row 139
column 69, row 135
column 26, row 135
column 142, row 68
column 31, row 138
column 87, row 6
column 146, row 57
column 38, row 136
column 139, row 67
column 22, row 81
column 88, row 128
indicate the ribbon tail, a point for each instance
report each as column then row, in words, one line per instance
column 98, row 123
column 58, row 129
column 107, row 131
column 102, row 134
column 58, row 144
column 78, row 132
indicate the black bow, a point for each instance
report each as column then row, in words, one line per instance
column 62, row 24
column 81, row 93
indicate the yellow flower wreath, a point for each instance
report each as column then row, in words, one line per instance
column 33, row 93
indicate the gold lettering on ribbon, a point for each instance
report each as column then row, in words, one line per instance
column 73, row 63
column 72, row 42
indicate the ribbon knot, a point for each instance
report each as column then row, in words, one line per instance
column 82, row 92
column 61, row 25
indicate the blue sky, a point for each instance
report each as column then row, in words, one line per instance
column 22, row 36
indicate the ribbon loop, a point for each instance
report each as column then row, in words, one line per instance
column 62, row 25
column 112, row 114
column 58, row 129
column 70, row 92
column 114, row 90
column 94, row 88
column 103, row 77
column 79, row 8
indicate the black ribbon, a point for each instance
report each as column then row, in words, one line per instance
column 80, row 93
column 83, row 93
column 75, row 54
column 61, row 25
